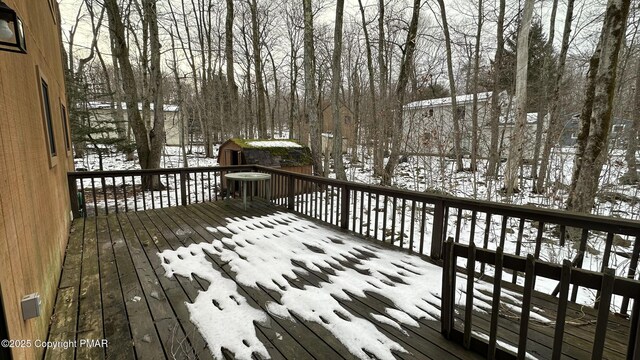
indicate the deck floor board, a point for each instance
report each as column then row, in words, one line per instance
column 113, row 285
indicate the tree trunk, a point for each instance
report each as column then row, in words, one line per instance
column 336, row 81
column 632, row 135
column 232, row 104
column 403, row 78
column 584, row 184
column 494, row 151
column 375, row 132
column 257, row 62
column 311, row 100
column 148, row 153
column 545, row 96
column 457, row 135
column 514, row 159
column 476, row 69
column 555, row 122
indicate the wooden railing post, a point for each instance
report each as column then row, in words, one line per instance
column 344, row 207
column 448, row 290
column 437, row 236
column 73, row 196
column 633, row 265
column 291, row 192
column 633, row 351
column 183, row 189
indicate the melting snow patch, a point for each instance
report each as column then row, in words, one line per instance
column 212, row 229
column 269, row 252
column 272, row 144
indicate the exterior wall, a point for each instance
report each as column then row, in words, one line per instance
column 34, row 199
column 429, row 131
column 348, row 126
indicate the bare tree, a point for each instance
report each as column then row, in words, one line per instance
column 591, row 152
column 494, row 155
column 555, row 122
column 457, row 134
column 311, row 100
column 401, row 87
column 375, row 131
column 257, row 62
column 514, row 158
column 148, row 142
column 631, row 177
column 232, row 92
column 336, row 81
column 476, row 72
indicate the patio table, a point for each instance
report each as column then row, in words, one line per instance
column 249, row 177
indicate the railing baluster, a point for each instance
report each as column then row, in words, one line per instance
column 344, row 212
column 166, row 180
column 115, row 193
column 368, row 214
column 579, row 260
column 422, row 226
column 384, row 220
column 377, row 216
column 518, row 247
column 124, row 191
column 413, row 224
column 539, row 239
column 503, row 231
column 633, row 351
column 354, row 213
column 565, row 280
column 103, row 181
column 527, row 294
column 448, row 289
column 458, row 225
column 633, row 265
column 144, row 195
column 74, row 199
column 468, row 305
column 437, row 235
column 84, row 198
column 603, row 313
column 497, row 287
column 402, row 218
column 135, row 196
column 393, row 220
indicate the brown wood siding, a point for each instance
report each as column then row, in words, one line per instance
column 34, row 205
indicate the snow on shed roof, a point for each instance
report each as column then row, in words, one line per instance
column 460, row 99
column 273, row 143
column 103, row 105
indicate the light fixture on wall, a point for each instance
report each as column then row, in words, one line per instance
column 11, row 30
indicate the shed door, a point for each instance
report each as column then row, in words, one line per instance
column 5, row 352
column 235, row 157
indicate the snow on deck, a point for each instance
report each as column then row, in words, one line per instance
column 264, row 250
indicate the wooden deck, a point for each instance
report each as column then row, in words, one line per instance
column 113, row 286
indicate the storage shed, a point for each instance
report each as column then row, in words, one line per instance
column 288, row 155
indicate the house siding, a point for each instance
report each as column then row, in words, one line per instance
column 34, row 199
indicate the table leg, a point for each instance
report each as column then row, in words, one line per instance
column 268, row 190
column 244, row 194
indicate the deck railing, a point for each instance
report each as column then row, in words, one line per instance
column 417, row 221
column 605, row 283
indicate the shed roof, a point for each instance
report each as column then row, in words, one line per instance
column 273, row 152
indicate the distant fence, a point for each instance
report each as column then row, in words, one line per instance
column 419, row 222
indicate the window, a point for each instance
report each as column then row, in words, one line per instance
column 428, row 113
column 47, row 120
column 618, row 129
column 460, row 112
column 65, row 127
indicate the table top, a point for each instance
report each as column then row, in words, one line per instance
column 248, row 176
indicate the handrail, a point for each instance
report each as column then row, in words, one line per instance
column 605, row 282
column 413, row 220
